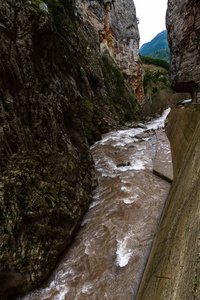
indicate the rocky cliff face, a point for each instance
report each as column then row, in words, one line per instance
column 58, row 92
column 116, row 25
column 183, row 25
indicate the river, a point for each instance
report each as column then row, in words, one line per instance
column 108, row 255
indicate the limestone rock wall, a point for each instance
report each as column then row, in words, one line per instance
column 57, row 93
column 183, row 26
column 116, row 25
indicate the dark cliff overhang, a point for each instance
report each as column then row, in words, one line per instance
column 186, row 87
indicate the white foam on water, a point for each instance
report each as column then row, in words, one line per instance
column 159, row 122
column 137, row 164
column 128, row 201
column 94, row 203
column 62, row 294
column 131, row 199
column 85, row 221
column 86, row 288
column 119, row 144
column 87, row 248
column 61, row 291
column 125, row 189
column 123, row 252
column 118, row 138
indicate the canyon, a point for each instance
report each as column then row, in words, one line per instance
column 60, row 88
column 70, row 72
column 107, row 257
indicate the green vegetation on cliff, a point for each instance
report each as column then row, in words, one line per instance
column 155, row 61
column 157, row 88
column 121, row 94
column 162, row 54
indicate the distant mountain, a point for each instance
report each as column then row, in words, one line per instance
column 157, row 47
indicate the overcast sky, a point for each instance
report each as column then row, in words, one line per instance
column 151, row 14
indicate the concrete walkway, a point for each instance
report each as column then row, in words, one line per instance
column 163, row 161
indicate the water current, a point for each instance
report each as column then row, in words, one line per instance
column 108, row 255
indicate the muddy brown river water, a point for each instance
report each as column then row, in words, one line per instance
column 109, row 253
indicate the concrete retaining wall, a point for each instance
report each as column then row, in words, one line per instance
column 173, row 268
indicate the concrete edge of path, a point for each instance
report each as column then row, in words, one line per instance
column 163, row 161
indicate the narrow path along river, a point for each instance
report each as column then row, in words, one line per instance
column 108, row 255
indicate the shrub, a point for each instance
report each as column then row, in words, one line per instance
column 155, row 61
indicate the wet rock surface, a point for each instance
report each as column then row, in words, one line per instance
column 183, row 26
